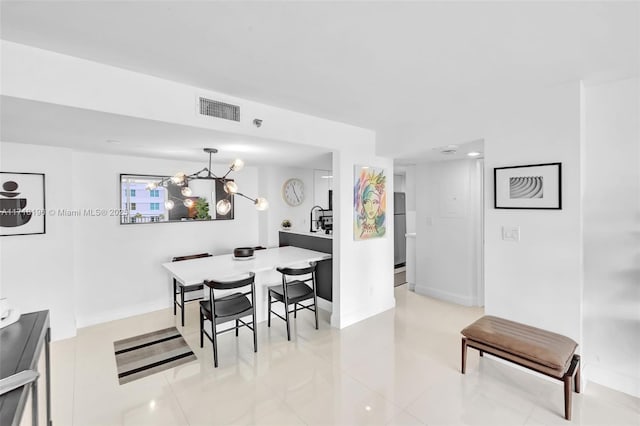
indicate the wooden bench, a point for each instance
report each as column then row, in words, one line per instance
column 545, row 352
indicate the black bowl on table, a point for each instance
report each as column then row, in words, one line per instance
column 243, row 252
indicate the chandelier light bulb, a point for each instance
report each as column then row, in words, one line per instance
column 261, row 203
column 169, row 204
column 230, row 187
column 188, row 203
column 186, row 191
column 237, row 165
column 178, row 178
column 223, row 207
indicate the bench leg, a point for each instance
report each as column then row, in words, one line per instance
column 464, row 354
column 567, row 397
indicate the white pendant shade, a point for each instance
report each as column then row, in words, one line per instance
column 230, row 187
column 261, row 203
column 237, row 165
column 223, row 207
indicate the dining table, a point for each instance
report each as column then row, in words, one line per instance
column 226, row 267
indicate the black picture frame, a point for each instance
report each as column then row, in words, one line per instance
column 23, row 208
column 179, row 214
column 528, row 187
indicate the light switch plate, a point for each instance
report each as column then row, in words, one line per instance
column 511, row 233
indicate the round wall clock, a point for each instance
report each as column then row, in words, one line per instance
column 293, row 192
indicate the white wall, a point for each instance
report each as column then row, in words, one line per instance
column 537, row 281
column 364, row 286
column 117, row 267
column 272, row 179
column 399, row 182
column 447, row 209
column 37, row 270
column 612, row 236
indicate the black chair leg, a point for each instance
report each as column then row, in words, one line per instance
column 237, row 326
column 315, row 309
column 255, row 332
column 201, row 329
column 286, row 312
column 174, row 296
column 295, row 310
column 269, row 314
column 215, row 343
column 182, row 304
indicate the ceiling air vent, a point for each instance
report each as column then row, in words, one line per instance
column 219, row 109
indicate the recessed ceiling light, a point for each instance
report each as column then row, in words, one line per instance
column 113, row 141
column 473, row 153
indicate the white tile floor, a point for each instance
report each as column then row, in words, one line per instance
column 400, row 368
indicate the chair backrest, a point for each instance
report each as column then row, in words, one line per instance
column 310, row 271
column 191, row 256
column 229, row 285
column 298, row 271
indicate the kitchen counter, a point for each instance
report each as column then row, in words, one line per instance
column 319, row 242
column 319, row 234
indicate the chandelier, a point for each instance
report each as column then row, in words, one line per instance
column 223, row 206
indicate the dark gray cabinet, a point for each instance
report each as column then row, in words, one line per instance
column 324, row 273
column 21, row 347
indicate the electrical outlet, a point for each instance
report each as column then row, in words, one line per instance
column 511, row 233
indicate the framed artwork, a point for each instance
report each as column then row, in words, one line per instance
column 22, row 206
column 369, row 203
column 537, row 186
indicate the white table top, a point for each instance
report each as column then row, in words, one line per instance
column 223, row 267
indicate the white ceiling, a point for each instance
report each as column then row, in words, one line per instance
column 39, row 123
column 399, row 68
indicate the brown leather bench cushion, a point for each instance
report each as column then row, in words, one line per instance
column 540, row 346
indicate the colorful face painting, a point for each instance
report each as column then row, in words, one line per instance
column 369, row 203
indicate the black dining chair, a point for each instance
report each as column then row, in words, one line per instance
column 293, row 291
column 231, row 307
column 179, row 289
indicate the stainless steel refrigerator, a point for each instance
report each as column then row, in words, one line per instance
column 400, row 229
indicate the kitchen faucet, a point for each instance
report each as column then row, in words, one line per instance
column 311, row 221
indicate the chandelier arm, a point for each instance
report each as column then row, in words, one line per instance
column 197, row 174
column 227, row 174
column 242, row 195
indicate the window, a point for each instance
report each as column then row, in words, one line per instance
column 133, row 206
column 155, row 206
column 132, row 192
column 155, row 193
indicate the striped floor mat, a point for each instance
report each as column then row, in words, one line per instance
column 141, row 356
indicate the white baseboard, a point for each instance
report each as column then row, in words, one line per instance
column 125, row 312
column 325, row 305
column 357, row 316
column 612, row 379
column 444, row 295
